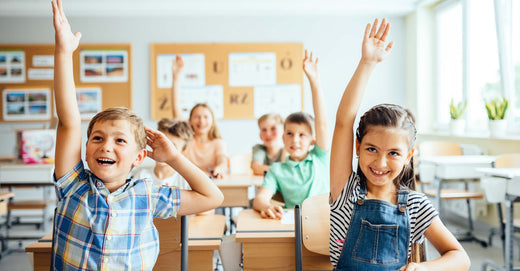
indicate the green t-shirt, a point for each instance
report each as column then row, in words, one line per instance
column 297, row 181
column 260, row 155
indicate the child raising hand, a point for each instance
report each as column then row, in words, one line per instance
column 375, row 213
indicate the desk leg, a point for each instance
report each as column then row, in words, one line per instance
column 509, row 231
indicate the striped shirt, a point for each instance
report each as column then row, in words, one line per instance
column 420, row 211
column 99, row 230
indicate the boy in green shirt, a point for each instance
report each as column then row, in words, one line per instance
column 305, row 172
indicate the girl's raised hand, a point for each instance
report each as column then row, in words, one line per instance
column 310, row 67
column 66, row 42
column 374, row 49
column 162, row 148
column 177, row 66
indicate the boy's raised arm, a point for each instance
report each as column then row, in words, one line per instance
column 68, row 133
column 204, row 195
column 177, row 67
column 373, row 52
column 318, row 102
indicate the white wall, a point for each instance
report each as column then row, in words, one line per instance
column 335, row 39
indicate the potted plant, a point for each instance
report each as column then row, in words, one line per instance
column 456, row 112
column 496, row 111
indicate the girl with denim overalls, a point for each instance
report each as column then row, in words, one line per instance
column 375, row 213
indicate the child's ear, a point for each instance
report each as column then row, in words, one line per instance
column 140, row 158
column 358, row 147
column 313, row 141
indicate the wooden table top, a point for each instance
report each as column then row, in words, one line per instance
column 251, row 227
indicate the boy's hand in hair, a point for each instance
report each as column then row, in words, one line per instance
column 163, row 149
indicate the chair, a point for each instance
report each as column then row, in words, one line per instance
column 314, row 229
column 172, row 235
column 444, row 148
column 495, row 191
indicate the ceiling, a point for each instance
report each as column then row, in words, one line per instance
column 115, row 8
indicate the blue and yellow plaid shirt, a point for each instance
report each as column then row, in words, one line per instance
column 99, row 230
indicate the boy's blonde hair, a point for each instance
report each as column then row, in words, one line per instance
column 300, row 118
column 214, row 132
column 122, row 113
column 179, row 128
column 274, row 116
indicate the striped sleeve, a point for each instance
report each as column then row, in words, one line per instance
column 421, row 213
column 340, row 215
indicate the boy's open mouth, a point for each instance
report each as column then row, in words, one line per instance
column 105, row 161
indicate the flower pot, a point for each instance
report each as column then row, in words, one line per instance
column 457, row 127
column 497, row 128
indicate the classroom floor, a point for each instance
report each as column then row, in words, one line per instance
column 18, row 260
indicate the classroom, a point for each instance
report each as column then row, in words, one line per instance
column 454, row 64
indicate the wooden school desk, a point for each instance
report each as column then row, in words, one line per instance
column 205, row 233
column 236, row 187
column 269, row 245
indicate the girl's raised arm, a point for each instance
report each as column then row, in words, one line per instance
column 373, row 52
column 177, row 67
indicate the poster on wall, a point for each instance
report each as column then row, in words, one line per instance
column 193, row 74
column 12, row 66
column 282, row 99
column 212, row 95
column 103, row 66
column 26, row 104
column 89, row 101
column 252, row 69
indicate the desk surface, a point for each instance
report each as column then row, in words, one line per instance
column 252, row 227
column 239, row 180
column 459, row 159
column 507, row 173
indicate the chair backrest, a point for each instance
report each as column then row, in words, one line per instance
column 511, row 160
column 240, row 163
column 316, row 223
column 169, row 242
column 437, row 148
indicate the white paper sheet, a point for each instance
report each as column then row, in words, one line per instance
column 103, row 65
column 193, row 74
column 213, row 95
column 12, row 66
column 43, row 61
column 40, row 74
column 251, row 69
column 282, row 99
column 288, row 217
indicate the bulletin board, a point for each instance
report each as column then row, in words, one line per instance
column 30, row 67
column 230, row 68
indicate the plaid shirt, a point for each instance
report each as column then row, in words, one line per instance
column 99, row 230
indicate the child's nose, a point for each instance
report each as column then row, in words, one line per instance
column 381, row 161
column 106, row 146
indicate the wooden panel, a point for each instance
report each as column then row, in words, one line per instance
column 113, row 93
column 238, row 101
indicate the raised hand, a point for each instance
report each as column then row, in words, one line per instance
column 177, row 66
column 374, row 49
column 66, row 42
column 310, row 68
column 162, row 148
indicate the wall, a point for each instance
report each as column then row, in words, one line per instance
column 336, row 40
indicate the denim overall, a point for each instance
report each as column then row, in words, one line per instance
column 377, row 238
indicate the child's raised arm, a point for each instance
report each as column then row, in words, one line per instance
column 68, row 133
column 177, row 67
column 204, row 195
column 311, row 70
column 373, row 52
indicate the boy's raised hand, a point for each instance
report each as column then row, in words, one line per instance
column 66, row 42
column 162, row 148
column 374, row 49
column 177, row 66
column 310, row 67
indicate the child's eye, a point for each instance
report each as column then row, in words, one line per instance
column 302, row 135
column 289, row 133
column 96, row 138
column 120, row 140
column 396, row 154
column 371, row 149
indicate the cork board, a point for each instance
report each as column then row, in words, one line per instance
column 38, row 62
column 238, row 101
